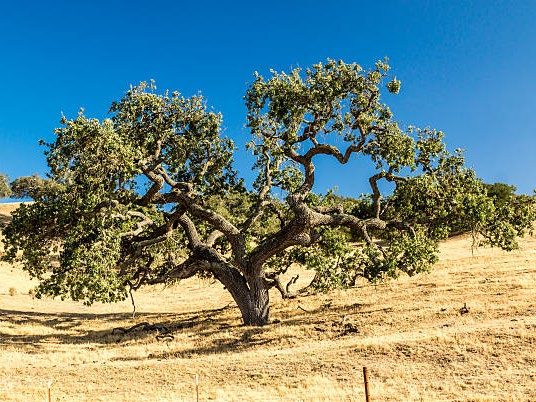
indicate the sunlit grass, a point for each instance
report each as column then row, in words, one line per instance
column 411, row 335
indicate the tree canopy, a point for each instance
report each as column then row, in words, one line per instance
column 150, row 195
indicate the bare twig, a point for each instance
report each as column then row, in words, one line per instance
column 292, row 281
column 132, row 301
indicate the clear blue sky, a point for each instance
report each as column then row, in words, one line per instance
column 468, row 68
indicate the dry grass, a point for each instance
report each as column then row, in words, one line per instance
column 411, row 335
column 6, row 208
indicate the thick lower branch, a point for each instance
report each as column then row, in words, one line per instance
column 284, row 289
column 158, row 184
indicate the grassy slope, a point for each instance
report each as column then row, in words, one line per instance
column 411, row 335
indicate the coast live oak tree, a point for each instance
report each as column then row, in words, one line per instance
column 150, row 195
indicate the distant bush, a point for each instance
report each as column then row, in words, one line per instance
column 34, row 187
column 12, row 291
column 501, row 192
column 5, row 190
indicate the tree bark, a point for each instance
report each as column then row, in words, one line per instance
column 259, row 302
column 251, row 295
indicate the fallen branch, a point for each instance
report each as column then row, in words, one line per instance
column 144, row 326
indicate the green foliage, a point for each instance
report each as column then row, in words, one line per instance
column 74, row 238
column 34, row 187
column 501, row 192
column 508, row 220
column 443, row 200
column 334, row 98
column 182, row 132
column 439, row 197
column 456, row 201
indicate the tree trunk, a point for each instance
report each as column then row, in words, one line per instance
column 259, row 302
column 251, row 295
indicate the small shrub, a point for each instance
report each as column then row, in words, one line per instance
column 12, row 291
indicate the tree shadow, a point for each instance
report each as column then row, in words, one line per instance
column 220, row 333
column 76, row 323
column 243, row 339
column 239, row 338
column 4, row 220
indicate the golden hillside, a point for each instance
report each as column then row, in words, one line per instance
column 412, row 334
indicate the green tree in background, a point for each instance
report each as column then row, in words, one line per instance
column 150, row 195
column 5, row 190
column 34, row 187
column 502, row 192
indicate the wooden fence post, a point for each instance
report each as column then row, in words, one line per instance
column 197, row 387
column 365, row 379
column 49, row 385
